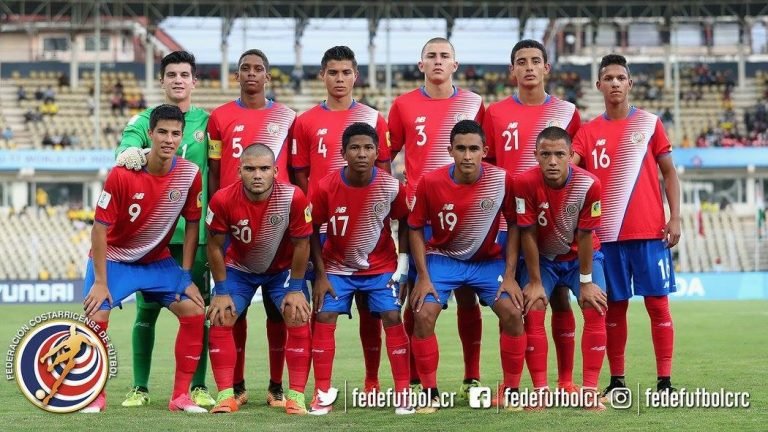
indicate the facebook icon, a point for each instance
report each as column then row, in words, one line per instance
column 480, row 397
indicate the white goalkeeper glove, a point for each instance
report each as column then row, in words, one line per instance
column 400, row 276
column 133, row 158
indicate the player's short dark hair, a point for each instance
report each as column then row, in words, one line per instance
column 356, row 129
column 338, row 53
column 256, row 52
column 178, row 57
column 553, row 133
column 528, row 43
column 612, row 59
column 258, row 150
column 166, row 112
column 465, row 127
column 438, row 40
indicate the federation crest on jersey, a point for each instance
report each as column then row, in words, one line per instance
column 554, row 123
column 174, row 195
column 199, row 136
column 637, row 137
column 461, row 116
column 487, row 204
column 276, row 220
column 571, row 209
column 380, row 208
column 273, row 129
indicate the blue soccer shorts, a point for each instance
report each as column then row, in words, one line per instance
column 642, row 267
column 565, row 273
column 157, row 281
column 380, row 298
column 242, row 287
column 447, row 274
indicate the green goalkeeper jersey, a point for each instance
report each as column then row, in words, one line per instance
column 194, row 148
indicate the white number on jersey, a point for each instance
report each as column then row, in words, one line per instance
column 508, row 135
column 237, row 148
column 134, row 211
column 450, row 219
column 322, row 148
column 422, row 135
column 243, row 234
column 542, row 218
column 603, row 161
column 343, row 219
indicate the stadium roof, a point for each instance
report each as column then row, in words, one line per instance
column 157, row 10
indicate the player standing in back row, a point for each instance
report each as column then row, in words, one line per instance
column 420, row 123
column 624, row 147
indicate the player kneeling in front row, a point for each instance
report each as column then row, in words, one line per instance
column 136, row 215
column 268, row 224
column 358, row 202
column 464, row 201
column 558, row 209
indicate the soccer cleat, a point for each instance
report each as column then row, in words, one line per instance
column 371, row 385
column 201, row 397
column 184, row 403
column 225, row 406
column 434, row 403
column 568, row 388
column 594, row 396
column 505, row 405
column 464, row 389
column 316, row 409
column 136, row 397
column 294, row 403
column 540, row 404
column 275, row 395
column 241, row 397
column 616, row 383
column 407, row 410
column 416, row 387
column 664, row 385
column 98, row 405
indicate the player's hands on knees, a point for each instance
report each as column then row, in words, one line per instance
column 672, row 232
column 133, row 158
column 99, row 292
column 298, row 305
column 320, row 288
column 194, row 294
column 591, row 294
column 532, row 293
column 420, row 292
column 402, row 296
column 512, row 289
column 221, row 308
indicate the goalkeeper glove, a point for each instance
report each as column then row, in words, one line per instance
column 133, row 158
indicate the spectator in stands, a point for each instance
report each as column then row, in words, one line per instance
column 49, row 95
column 66, row 141
column 118, row 88
column 44, row 274
column 47, row 140
column 296, row 77
column 7, row 135
column 33, row 116
column 39, row 94
column 21, row 95
column 63, row 80
column 667, row 118
column 117, row 103
column 686, row 141
column 142, row 103
column 41, row 197
column 49, row 107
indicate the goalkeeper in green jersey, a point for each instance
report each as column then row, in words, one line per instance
column 177, row 71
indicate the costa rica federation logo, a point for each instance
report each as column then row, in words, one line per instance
column 174, row 195
column 62, row 365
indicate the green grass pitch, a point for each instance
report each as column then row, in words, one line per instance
column 717, row 344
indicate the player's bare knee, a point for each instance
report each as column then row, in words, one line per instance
column 186, row 308
column 538, row 305
column 465, row 297
column 327, row 317
column 561, row 299
column 100, row 316
column 425, row 319
column 510, row 317
column 390, row 318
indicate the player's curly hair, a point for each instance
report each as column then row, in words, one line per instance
column 553, row 133
column 612, row 59
column 359, row 128
column 465, row 127
column 178, row 57
column 258, row 53
column 338, row 53
column 528, row 43
column 166, row 112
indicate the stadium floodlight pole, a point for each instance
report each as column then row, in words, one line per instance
column 97, row 76
column 388, row 58
column 676, row 88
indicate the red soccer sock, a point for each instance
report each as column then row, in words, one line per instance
column 398, row 353
column 298, row 355
column 536, row 351
column 616, row 331
column 103, row 325
column 323, row 352
column 593, row 341
column 470, row 322
column 408, row 323
column 189, row 345
column 370, row 337
column 240, row 334
column 427, row 355
column 564, row 335
column 662, row 333
column 512, row 358
column 276, row 336
column 221, row 348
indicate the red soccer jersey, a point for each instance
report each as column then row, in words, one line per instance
column 624, row 155
column 422, row 125
column 232, row 128
column 260, row 231
column 359, row 238
column 317, row 138
column 464, row 218
column 141, row 210
column 559, row 212
column 511, row 129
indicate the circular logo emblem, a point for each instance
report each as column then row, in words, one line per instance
column 571, row 209
column 637, row 137
column 199, row 136
column 273, row 129
column 486, row 204
column 554, row 123
column 61, row 366
column 461, row 116
column 275, row 220
column 174, row 195
column 380, row 208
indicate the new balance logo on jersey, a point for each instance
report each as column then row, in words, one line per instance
column 322, row 131
column 243, row 222
column 544, row 205
column 341, row 210
column 138, row 196
column 239, row 128
column 512, row 125
column 600, row 142
column 422, row 119
column 448, row 207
